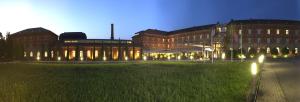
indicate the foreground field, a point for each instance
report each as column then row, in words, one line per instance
column 132, row 82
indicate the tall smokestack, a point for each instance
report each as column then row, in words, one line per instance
column 112, row 32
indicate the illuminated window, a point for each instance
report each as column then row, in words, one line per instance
column 296, row 50
column 277, row 31
column 268, row 50
column 46, row 54
column 25, row 54
column 286, row 32
column 31, row 53
column 200, row 36
column 207, row 36
column 269, row 31
column 89, row 54
column 52, row 54
column 73, row 53
column 240, row 31
column 66, row 53
column 168, row 46
column 96, row 53
column 80, row 54
column 38, row 54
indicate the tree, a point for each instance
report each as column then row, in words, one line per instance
column 285, row 51
column 274, row 51
column 252, row 52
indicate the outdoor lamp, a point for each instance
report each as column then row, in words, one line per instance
column 261, row 58
column 253, row 68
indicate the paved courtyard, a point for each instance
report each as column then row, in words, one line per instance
column 280, row 81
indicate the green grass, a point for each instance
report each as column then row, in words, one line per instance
column 131, row 82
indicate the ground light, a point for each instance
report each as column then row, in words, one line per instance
column 58, row 58
column 38, row 58
column 126, row 58
column 104, row 58
column 285, row 56
column 191, row 57
column 179, row 57
column 223, row 55
column 169, row 57
column 81, row 58
column 145, row 58
column 261, row 58
column 253, row 68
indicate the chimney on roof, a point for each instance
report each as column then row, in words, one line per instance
column 112, row 32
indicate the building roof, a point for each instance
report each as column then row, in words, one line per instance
column 31, row 31
column 153, row 31
column 192, row 29
column 72, row 36
column 264, row 21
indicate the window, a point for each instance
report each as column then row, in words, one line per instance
column 287, row 32
column 46, row 54
column 249, row 31
column 207, row 36
column 194, row 37
column 200, row 36
column 269, row 31
column 258, row 40
column 258, row 31
column 25, row 54
column 296, row 41
column 240, row 31
column 277, row 31
column 268, row 50
column 286, row 40
column 38, row 54
column 249, row 40
column 296, row 50
column 31, row 53
column 268, row 40
column 278, row 40
column 96, row 53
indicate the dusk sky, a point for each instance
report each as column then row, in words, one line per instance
column 129, row 16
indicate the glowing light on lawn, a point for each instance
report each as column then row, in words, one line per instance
column 285, row 56
column 38, row 58
column 191, row 57
column 104, row 58
column 274, row 56
column 242, row 56
column 58, row 58
column 169, row 57
column 81, row 58
column 223, row 56
column 126, row 58
column 261, row 58
column 179, row 57
column 253, row 68
column 145, row 58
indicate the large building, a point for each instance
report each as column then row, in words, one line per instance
column 215, row 40
column 42, row 44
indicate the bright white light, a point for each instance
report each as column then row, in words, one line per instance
column 261, row 58
column 145, row 58
column 38, row 58
column 169, row 57
column 223, row 56
column 178, row 57
column 58, row 58
column 81, row 58
column 104, row 58
column 126, row 58
column 191, row 57
column 253, row 68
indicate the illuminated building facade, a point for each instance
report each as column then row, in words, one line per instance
column 216, row 39
column 44, row 45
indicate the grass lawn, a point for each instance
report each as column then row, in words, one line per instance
column 127, row 82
